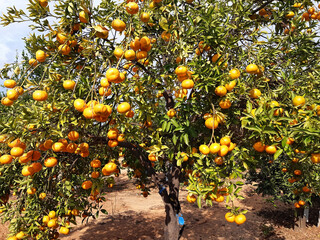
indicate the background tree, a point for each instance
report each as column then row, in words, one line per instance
column 201, row 93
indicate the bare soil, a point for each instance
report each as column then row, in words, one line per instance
column 133, row 217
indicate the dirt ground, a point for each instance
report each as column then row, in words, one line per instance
column 133, row 217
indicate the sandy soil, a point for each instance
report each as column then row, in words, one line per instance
column 133, row 217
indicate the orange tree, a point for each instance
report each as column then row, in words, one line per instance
column 200, row 93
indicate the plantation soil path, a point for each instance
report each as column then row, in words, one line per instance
column 133, row 217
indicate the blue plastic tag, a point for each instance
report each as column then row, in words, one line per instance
column 181, row 220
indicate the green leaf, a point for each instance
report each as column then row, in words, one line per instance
column 277, row 153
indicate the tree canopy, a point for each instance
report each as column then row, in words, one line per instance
column 197, row 93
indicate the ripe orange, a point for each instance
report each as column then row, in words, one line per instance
column 64, row 49
column 101, row 32
column 118, row 25
column 298, row 101
column 302, row 203
column 37, row 167
column 223, row 150
column 109, row 168
column 255, row 93
column 218, row 160
column 6, row 159
column 88, row 113
column 83, row 17
column 240, row 219
column 130, row 55
column 52, row 223
column 252, row 68
column 118, row 53
column 27, row 171
column 112, row 74
column 130, row 114
column 234, row 73
column 225, row 104
column 58, row 147
column 123, row 107
column 152, row 157
column 171, row 113
column 95, row 174
column 10, row 83
column 64, row 230
column 181, row 71
column 41, row 56
column 215, row 57
column 79, row 105
column 191, row 198
column 225, row 140
column 113, row 143
column 220, row 91
column 144, row 17
column 187, row 84
column 50, row 162
column 211, row 123
column 16, row 151
column 40, row 95
column 6, row 101
column 259, row 146
column 229, row 217
column 73, row 135
column 33, row 62
column 214, row 148
column 86, row 184
column 132, row 8
column 113, row 133
column 297, row 172
column 69, row 84
column 42, row 195
column 12, row 94
column 229, row 86
column 204, row 149
column 271, row 149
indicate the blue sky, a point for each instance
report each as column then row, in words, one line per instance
column 11, row 36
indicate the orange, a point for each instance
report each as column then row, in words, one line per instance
column 271, row 149
column 112, row 143
column 223, row 150
column 229, row 86
column 52, row 223
column 95, row 174
column 225, row 140
column 218, row 160
column 41, row 56
column 215, row 57
column 113, row 133
column 104, row 83
column 211, row 123
column 6, row 101
column 302, row 203
column 79, row 105
column 231, row 146
column 171, row 113
column 132, row 8
column 252, row 68
column 69, row 84
column 130, row 114
column 86, row 184
column 16, row 151
column 83, row 17
column 52, row 214
column 181, row 70
column 240, row 219
column 50, row 162
column 187, row 84
column 42, row 195
column 101, row 32
column 255, row 93
column 112, row 74
column 27, row 171
column 234, row 73
column 229, row 217
column 118, row 25
column 10, row 83
column 58, row 147
column 142, row 54
column 88, row 113
column 121, row 138
column 37, row 167
column 6, row 159
column 204, row 149
column 298, row 101
column 62, row 38
column 48, row 144
column 214, row 148
column 191, row 198
column 33, row 62
column 315, row 157
column 297, row 172
column 64, row 230
column 64, row 49
column 12, row 94
column 219, row 198
column 118, row 53
column 144, row 17
column 225, row 104
column 259, row 146
column 109, row 168
column 166, row 36
column 152, row 157
column 220, row 91
column 123, row 107
column 73, row 135
column 40, row 95
column 290, row 15
column 20, row 235
column 130, row 55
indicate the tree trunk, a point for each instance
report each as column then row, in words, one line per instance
column 172, row 228
column 300, row 219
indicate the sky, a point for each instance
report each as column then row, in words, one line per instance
column 11, row 36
